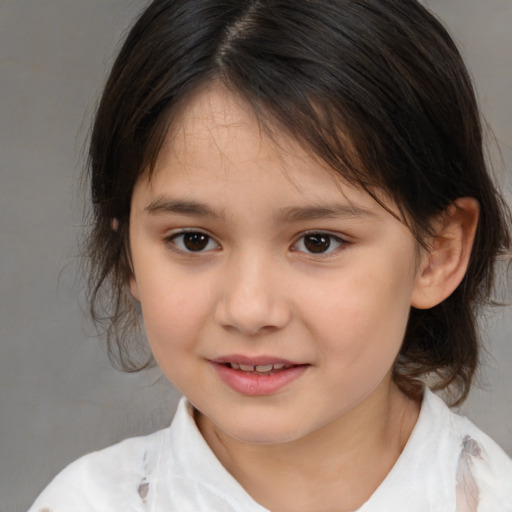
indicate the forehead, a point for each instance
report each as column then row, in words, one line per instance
column 217, row 146
column 217, row 123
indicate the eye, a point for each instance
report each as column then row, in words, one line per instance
column 318, row 243
column 192, row 241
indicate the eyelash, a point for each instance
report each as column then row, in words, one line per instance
column 338, row 243
column 171, row 241
column 322, row 237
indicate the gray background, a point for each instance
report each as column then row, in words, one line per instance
column 59, row 397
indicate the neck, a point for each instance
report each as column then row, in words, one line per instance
column 313, row 475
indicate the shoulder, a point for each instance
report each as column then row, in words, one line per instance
column 447, row 465
column 115, row 478
column 483, row 469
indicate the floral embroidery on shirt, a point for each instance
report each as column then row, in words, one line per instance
column 468, row 492
column 143, row 488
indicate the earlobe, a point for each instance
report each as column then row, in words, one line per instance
column 445, row 263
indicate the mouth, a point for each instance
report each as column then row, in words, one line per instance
column 260, row 369
column 258, row 376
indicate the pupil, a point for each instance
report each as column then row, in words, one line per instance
column 317, row 243
column 195, row 241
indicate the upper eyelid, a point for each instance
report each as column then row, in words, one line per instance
column 320, row 232
column 179, row 231
column 339, row 236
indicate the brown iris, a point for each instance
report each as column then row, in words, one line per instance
column 195, row 241
column 317, row 243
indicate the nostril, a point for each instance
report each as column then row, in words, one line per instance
column 254, row 315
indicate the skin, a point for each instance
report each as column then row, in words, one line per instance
column 255, row 289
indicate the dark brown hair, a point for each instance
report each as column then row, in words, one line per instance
column 375, row 88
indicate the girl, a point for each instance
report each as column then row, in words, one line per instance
column 294, row 197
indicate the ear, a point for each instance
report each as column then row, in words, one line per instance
column 445, row 262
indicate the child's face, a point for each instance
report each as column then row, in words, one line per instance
column 249, row 253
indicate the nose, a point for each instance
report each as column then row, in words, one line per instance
column 252, row 299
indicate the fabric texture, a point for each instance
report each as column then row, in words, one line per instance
column 448, row 465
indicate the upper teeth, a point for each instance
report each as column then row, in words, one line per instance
column 257, row 368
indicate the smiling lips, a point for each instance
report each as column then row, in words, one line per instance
column 260, row 368
column 257, row 377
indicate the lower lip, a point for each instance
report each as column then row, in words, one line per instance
column 253, row 384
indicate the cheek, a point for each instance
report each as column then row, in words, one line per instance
column 361, row 317
column 173, row 323
column 173, row 313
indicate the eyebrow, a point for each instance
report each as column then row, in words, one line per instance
column 289, row 214
column 181, row 207
column 332, row 211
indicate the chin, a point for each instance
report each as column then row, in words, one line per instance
column 264, row 433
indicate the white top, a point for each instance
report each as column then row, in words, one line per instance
column 448, row 465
